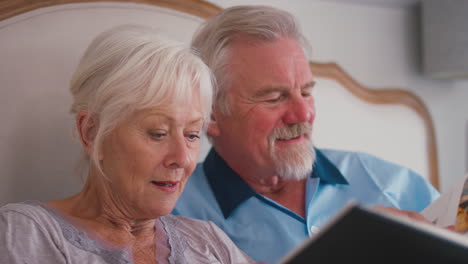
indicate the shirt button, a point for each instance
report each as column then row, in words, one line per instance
column 314, row 229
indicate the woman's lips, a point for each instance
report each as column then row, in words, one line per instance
column 167, row 186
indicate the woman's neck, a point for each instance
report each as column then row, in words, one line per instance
column 98, row 208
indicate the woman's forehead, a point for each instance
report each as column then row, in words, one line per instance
column 171, row 113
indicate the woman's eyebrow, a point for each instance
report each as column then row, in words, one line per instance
column 167, row 117
column 196, row 120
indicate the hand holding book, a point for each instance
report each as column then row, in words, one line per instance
column 451, row 209
column 409, row 214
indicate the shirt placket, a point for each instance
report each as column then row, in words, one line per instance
column 311, row 190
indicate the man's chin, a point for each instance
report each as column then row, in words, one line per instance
column 295, row 163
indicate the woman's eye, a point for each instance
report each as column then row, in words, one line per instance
column 157, row 134
column 193, row 137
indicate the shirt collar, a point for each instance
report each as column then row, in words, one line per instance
column 230, row 190
column 326, row 171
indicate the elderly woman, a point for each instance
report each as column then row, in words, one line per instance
column 140, row 103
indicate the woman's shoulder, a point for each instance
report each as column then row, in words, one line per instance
column 189, row 238
column 26, row 209
column 28, row 214
column 203, row 240
column 186, row 224
column 183, row 219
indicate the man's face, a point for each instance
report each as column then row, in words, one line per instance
column 272, row 110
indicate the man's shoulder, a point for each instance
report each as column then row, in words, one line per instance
column 401, row 186
column 358, row 166
column 199, row 171
column 341, row 154
column 197, row 197
column 197, row 179
column 361, row 159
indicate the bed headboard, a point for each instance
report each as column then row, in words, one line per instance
column 41, row 42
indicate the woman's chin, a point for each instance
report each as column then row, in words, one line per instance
column 161, row 209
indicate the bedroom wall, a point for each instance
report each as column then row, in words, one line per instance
column 380, row 47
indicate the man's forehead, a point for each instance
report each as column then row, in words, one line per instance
column 267, row 57
column 248, row 39
column 268, row 65
column 245, row 42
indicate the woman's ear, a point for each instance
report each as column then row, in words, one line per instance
column 213, row 128
column 87, row 129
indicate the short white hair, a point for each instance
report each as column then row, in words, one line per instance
column 262, row 23
column 130, row 68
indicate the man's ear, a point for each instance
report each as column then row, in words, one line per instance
column 87, row 129
column 213, row 128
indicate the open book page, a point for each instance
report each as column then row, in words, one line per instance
column 451, row 208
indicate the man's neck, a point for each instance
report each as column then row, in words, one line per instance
column 288, row 193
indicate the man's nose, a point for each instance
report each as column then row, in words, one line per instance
column 300, row 110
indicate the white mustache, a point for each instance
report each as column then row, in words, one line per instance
column 289, row 132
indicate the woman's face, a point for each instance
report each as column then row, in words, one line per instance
column 149, row 157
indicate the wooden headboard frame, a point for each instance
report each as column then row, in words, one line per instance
column 332, row 71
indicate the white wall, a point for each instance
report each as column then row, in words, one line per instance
column 380, row 47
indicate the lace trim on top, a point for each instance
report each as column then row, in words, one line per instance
column 177, row 242
column 88, row 240
column 163, row 246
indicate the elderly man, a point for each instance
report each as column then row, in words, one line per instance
column 263, row 182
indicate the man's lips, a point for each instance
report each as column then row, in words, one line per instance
column 286, row 139
column 167, row 186
column 292, row 139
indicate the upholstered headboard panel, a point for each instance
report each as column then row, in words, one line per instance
column 42, row 41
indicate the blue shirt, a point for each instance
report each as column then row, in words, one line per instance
column 266, row 230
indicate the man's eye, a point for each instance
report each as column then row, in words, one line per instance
column 157, row 134
column 276, row 99
column 307, row 92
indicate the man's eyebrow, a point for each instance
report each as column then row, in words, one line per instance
column 310, row 84
column 268, row 90
column 272, row 89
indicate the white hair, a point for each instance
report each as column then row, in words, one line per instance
column 262, row 23
column 295, row 162
column 130, row 68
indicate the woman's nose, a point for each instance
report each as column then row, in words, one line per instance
column 178, row 155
